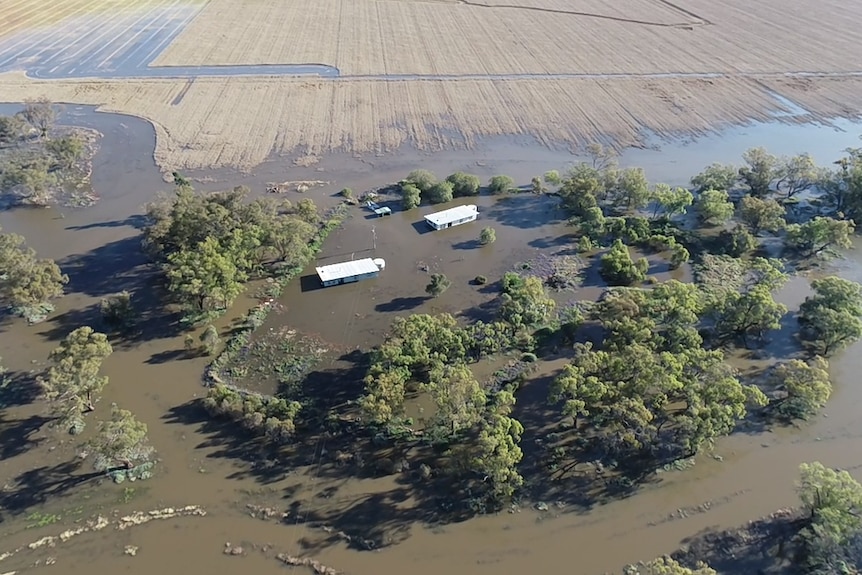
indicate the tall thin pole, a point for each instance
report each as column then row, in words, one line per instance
column 374, row 238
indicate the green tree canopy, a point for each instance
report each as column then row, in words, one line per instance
column 411, row 196
column 761, row 214
column 759, row 171
column 25, row 280
column 831, row 318
column 204, row 279
column 832, row 499
column 464, row 184
column 618, row 268
column 669, row 202
column 715, row 177
column 525, row 301
column 820, row 236
column 501, row 184
column 807, row 387
column 440, row 193
column 73, row 381
column 713, row 207
column 637, row 400
column 422, row 179
column 121, row 441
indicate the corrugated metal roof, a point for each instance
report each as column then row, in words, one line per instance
column 452, row 215
column 347, row 269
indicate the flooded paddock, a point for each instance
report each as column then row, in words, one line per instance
column 201, row 464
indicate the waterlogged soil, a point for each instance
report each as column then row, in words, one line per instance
column 201, row 463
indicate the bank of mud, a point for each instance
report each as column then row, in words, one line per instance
column 203, row 464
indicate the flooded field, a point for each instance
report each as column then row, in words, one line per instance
column 204, row 464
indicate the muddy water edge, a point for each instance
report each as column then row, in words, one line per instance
column 99, row 248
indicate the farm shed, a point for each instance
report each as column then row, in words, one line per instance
column 452, row 217
column 348, row 272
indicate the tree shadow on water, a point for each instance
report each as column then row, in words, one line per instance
column 401, row 304
column 38, row 486
column 137, row 221
column 525, row 211
column 107, row 269
column 18, row 388
column 16, row 435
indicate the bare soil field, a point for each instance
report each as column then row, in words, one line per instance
column 526, row 36
column 431, row 75
column 213, row 122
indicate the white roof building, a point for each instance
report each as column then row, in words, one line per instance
column 452, row 216
column 349, row 271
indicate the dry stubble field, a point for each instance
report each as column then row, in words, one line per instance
column 500, row 54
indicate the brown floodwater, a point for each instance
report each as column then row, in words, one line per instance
column 200, row 465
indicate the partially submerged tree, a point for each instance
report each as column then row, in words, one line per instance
column 464, row 184
column 833, row 502
column 831, row 318
column 715, row 177
column 209, row 339
column 11, row 130
column 73, row 382
column 40, row 114
column 117, row 310
column 713, row 207
column 759, row 171
column 795, row 175
column 66, row 150
column 820, row 236
column 27, row 176
column 121, row 442
column 501, row 184
column 761, row 214
column 525, row 301
column 667, row 566
column 27, row 283
column 440, row 193
column 806, row 387
column 488, row 236
column 497, row 452
column 422, row 179
column 618, row 268
column 204, row 279
column 411, row 197
column 439, row 283
column 669, row 202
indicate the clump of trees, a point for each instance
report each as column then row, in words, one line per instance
column 652, row 389
column 422, row 184
column 32, row 168
column 430, row 355
column 28, row 283
column 618, row 268
column 269, row 417
column 210, row 244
